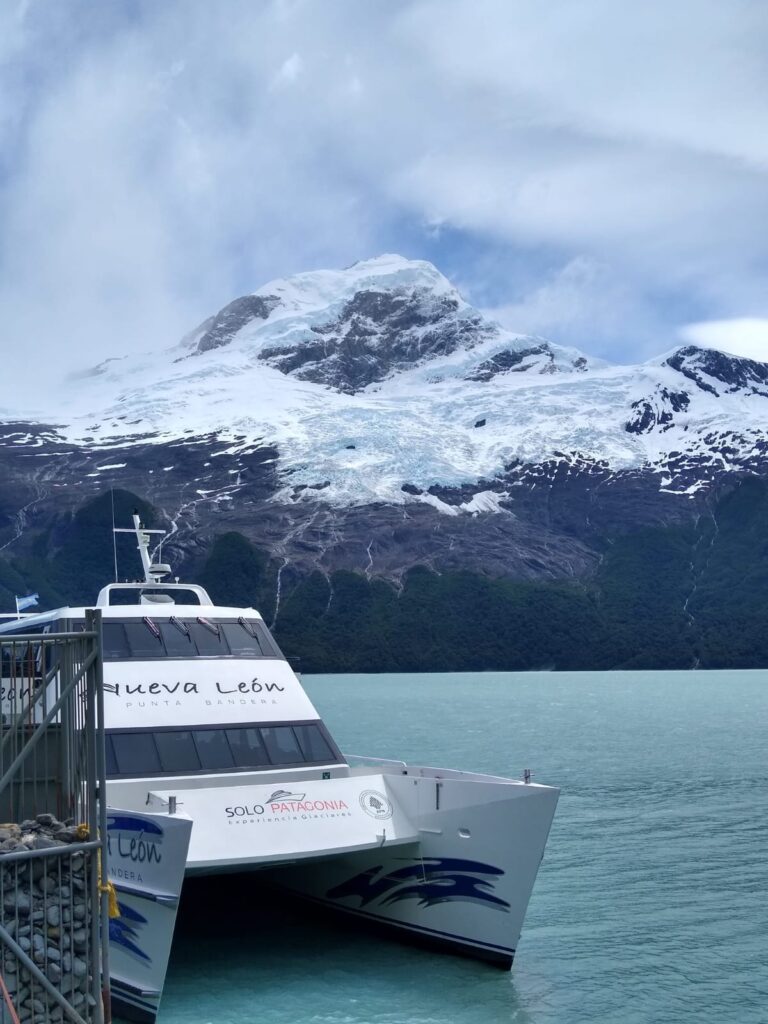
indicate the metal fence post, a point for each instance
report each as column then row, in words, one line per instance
column 54, row 923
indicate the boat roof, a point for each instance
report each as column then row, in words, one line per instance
column 155, row 611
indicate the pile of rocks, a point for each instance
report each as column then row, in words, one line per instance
column 45, row 907
column 39, row 834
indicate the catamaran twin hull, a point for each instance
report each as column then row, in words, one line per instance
column 217, row 761
column 448, row 857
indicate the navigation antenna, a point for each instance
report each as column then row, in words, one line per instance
column 153, row 572
column 114, row 538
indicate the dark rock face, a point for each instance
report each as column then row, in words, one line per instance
column 733, row 372
column 511, row 361
column 376, row 334
column 554, row 522
column 228, row 321
column 649, row 414
column 517, row 361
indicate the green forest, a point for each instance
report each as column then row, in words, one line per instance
column 662, row 597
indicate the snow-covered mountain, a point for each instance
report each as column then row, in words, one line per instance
column 332, row 407
column 381, row 376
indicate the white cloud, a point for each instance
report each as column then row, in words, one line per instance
column 155, row 165
column 742, row 336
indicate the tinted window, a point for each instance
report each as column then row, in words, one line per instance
column 213, row 749
column 247, row 748
column 171, row 637
column 110, row 756
column 235, row 748
column 207, row 641
column 114, row 640
column 177, row 639
column 142, row 641
column 241, row 641
column 177, row 751
column 281, row 745
column 313, row 744
column 135, row 753
column 21, row 659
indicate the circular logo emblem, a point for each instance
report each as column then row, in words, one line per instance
column 375, row 804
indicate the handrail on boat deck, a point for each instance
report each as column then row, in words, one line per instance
column 364, row 759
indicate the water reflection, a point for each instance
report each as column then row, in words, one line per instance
column 246, row 955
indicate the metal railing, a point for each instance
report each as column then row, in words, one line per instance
column 54, row 929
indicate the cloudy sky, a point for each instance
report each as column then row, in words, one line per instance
column 592, row 171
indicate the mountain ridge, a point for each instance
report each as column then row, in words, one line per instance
column 430, row 438
column 333, row 362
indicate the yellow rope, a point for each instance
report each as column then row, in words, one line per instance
column 114, row 906
column 108, row 887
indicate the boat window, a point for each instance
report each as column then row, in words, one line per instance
column 20, row 659
column 241, row 641
column 233, row 748
column 141, row 640
column 213, row 749
column 178, row 643
column 247, row 748
column 136, row 753
column 208, row 642
column 109, row 750
column 177, row 751
column 114, row 640
column 175, row 637
column 281, row 745
column 312, row 742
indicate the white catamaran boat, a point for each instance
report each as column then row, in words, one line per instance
column 217, row 762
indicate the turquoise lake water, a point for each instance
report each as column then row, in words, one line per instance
column 651, row 904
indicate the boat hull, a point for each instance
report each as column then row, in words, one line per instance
column 464, row 885
column 443, row 858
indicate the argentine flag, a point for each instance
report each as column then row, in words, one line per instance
column 26, row 602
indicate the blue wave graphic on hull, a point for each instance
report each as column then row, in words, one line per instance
column 125, row 823
column 430, row 881
column 124, row 929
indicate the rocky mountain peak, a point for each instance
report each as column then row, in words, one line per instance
column 375, row 333
column 220, row 329
column 356, row 327
column 718, row 372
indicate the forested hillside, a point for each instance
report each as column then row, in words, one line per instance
column 662, row 597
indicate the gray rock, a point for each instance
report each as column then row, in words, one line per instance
column 17, row 901
column 68, row 835
column 53, row 971
column 44, row 843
